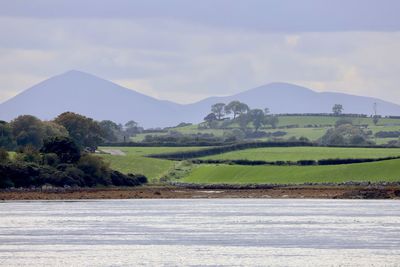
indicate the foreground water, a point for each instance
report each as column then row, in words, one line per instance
column 243, row 232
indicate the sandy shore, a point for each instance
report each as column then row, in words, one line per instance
column 170, row 192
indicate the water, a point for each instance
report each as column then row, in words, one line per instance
column 222, row 232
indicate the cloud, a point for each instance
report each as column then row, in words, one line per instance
column 184, row 62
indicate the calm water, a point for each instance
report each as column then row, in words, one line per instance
column 200, row 233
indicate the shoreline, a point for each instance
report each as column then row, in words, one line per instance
column 178, row 192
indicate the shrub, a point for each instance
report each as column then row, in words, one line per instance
column 51, row 159
column 96, row 170
column 65, row 148
column 29, row 154
column 4, row 156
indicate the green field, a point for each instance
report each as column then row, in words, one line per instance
column 312, row 133
column 234, row 174
column 135, row 161
column 12, row 154
column 330, row 120
column 305, row 153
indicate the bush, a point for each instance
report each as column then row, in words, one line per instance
column 29, row 154
column 92, row 171
column 4, row 156
column 96, row 170
column 51, row 159
column 65, row 148
column 388, row 134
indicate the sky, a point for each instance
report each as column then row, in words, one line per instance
column 187, row 50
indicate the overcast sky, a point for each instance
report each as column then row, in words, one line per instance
column 187, row 50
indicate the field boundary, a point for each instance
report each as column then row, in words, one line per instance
column 242, row 146
column 321, row 162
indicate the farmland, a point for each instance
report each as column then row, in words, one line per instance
column 310, row 127
column 135, row 160
column 233, row 174
column 305, row 153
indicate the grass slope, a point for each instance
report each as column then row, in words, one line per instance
column 330, row 120
column 135, row 161
column 234, row 174
column 305, row 153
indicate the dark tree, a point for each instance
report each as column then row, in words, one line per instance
column 6, row 136
column 84, row 131
column 28, row 130
column 210, row 118
column 64, row 147
column 337, row 109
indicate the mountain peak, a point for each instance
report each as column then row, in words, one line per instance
column 101, row 99
column 73, row 74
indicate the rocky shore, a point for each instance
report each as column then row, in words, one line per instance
column 354, row 191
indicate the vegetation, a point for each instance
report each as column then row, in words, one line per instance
column 337, row 109
column 305, row 153
column 135, row 160
column 60, row 152
column 234, row 174
column 31, row 168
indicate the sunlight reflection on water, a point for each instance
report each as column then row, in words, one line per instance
column 226, row 232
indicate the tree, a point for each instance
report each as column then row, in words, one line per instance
column 375, row 119
column 337, row 109
column 236, row 108
column 243, row 120
column 111, row 130
column 6, row 136
column 4, row 156
column 85, row 132
column 64, row 147
column 52, row 129
column 345, row 134
column 219, row 110
column 257, row 117
column 266, row 111
column 210, row 118
column 132, row 128
column 271, row 120
column 28, row 130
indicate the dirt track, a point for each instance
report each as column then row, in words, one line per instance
column 166, row 192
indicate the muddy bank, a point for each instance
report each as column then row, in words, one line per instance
column 170, row 192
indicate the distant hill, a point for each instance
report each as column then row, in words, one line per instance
column 101, row 99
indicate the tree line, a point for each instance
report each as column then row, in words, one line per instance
column 241, row 114
column 57, row 152
column 27, row 130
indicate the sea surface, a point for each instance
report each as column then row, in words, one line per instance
column 217, row 232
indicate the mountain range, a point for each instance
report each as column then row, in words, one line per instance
column 101, row 99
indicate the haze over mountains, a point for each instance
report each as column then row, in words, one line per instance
column 101, row 99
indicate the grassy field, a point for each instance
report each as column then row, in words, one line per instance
column 12, row 154
column 135, row 161
column 235, row 174
column 305, row 153
column 330, row 120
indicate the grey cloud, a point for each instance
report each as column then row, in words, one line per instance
column 264, row 15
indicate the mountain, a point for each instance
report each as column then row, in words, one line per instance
column 101, row 99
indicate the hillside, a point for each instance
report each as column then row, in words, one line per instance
column 101, row 99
